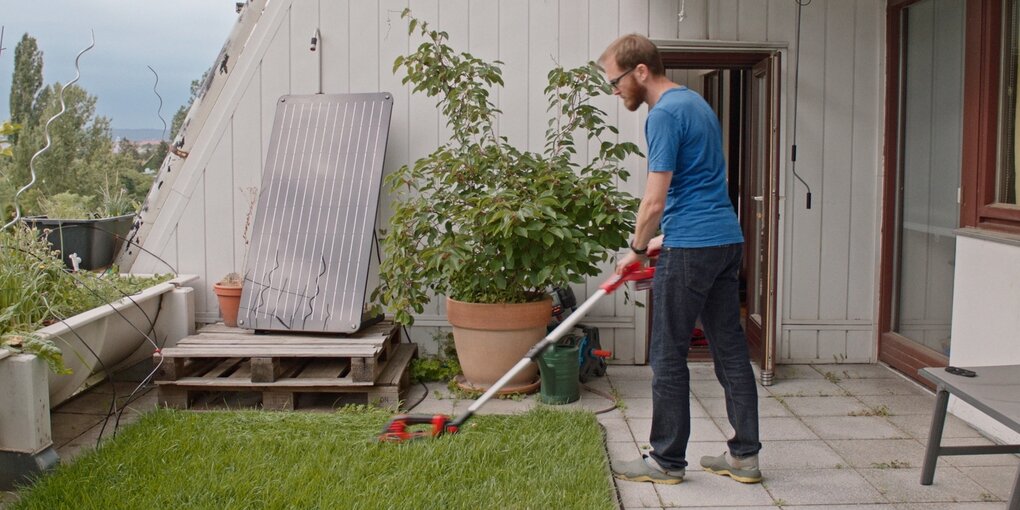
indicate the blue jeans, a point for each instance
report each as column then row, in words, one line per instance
column 692, row 282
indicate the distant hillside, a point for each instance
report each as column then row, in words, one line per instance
column 137, row 135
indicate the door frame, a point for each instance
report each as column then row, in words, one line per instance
column 893, row 348
column 741, row 56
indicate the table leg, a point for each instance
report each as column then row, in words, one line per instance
column 1014, row 499
column 938, row 422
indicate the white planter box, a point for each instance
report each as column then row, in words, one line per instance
column 113, row 336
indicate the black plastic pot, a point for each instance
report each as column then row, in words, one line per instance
column 97, row 241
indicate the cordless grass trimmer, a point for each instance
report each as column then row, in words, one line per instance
column 399, row 428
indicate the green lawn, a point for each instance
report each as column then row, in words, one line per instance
column 253, row 459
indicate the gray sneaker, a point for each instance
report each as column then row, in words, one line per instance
column 742, row 470
column 646, row 469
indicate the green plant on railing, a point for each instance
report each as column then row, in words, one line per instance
column 482, row 221
column 36, row 291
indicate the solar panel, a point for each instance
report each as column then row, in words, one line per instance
column 308, row 260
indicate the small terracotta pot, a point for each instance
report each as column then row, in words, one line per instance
column 492, row 338
column 229, row 297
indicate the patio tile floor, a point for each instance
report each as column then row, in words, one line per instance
column 822, row 448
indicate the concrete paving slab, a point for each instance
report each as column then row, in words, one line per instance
column 857, row 371
column 617, row 430
column 642, row 408
column 996, row 481
column 629, row 372
column 901, row 405
column 904, row 486
column 814, row 454
column 820, row 486
column 917, row 426
column 702, row 429
column 860, row 387
column 638, row 494
column 874, row 453
column 948, row 506
column 824, row 406
column 796, row 373
column 854, row 427
column 701, row 488
column 880, row 506
column 775, row 429
column 742, row 507
column 634, row 388
column 768, row 407
column 805, row 388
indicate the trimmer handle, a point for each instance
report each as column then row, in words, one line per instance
column 397, row 430
column 635, row 272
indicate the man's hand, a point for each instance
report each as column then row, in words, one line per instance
column 629, row 259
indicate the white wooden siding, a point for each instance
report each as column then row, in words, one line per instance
column 827, row 288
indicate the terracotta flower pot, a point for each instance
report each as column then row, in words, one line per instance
column 229, row 297
column 491, row 338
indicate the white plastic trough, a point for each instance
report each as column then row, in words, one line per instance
column 115, row 334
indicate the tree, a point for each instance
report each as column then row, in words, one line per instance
column 28, row 66
column 182, row 112
column 80, row 154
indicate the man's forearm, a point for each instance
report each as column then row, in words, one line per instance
column 647, row 226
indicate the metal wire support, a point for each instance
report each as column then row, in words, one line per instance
column 49, row 142
column 159, row 110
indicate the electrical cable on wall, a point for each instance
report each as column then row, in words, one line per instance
column 796, row 82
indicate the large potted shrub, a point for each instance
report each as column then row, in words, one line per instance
column 491, row 226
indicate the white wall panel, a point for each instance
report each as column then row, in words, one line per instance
column 246, row 133
column 192, row 249
column 752, row 20
column 695, row 23
column 334, row 16
column 543, row 55
column 866, row 170
column 513, row 52
column 804, row 225
column 363, row 33
column 662, row 18
column 834, row 204
column 304, row 63
column 723, row 19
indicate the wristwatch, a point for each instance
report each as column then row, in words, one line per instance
column 635, row 249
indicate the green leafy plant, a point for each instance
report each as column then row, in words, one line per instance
column 482, row 221
column 36, row 290
column 66, row 205
column 8, row 130
column 434, row 369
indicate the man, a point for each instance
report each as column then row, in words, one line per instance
column 697, row 270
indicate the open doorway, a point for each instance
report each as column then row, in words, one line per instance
column 743, row 89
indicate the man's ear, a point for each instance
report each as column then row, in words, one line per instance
column 642, row 72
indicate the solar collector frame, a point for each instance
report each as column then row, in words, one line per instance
column 308, row 261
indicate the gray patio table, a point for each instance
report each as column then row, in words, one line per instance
column 995, row 391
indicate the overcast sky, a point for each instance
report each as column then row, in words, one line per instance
column 178, row 38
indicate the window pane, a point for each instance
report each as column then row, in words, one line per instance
column 931, row 123
column 1006, row 186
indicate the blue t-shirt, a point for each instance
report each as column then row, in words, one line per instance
column 684, row 138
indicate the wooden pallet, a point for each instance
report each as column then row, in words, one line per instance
column 314, row 376
column 357, row 358
column 372, row 364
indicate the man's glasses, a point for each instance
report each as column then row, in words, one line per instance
column 616, row 81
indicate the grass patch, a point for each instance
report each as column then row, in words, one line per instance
column 251, row 459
